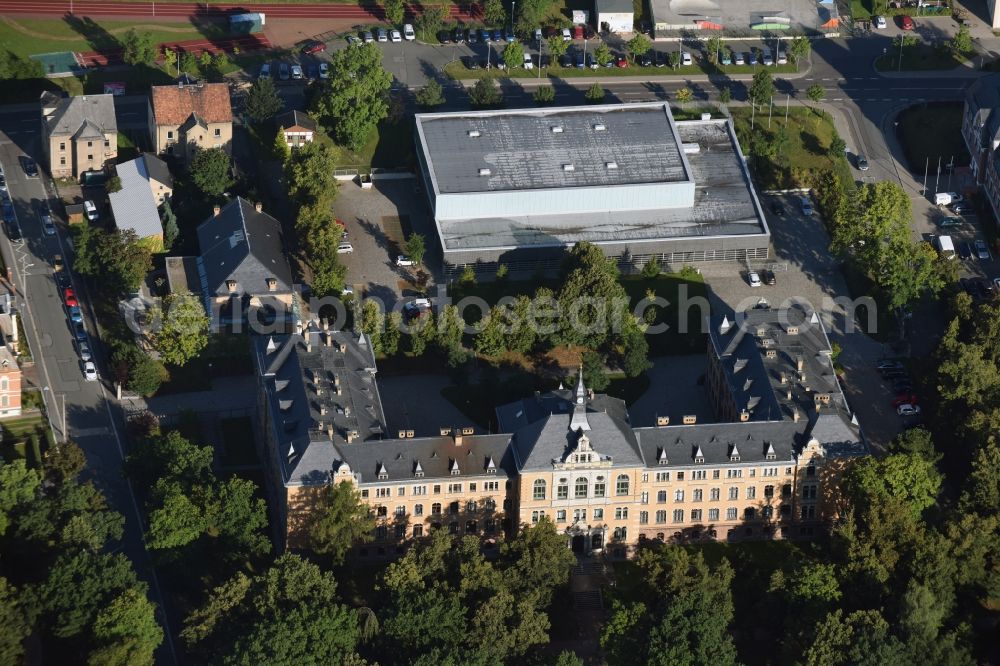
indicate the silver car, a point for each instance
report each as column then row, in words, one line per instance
column 48, row 226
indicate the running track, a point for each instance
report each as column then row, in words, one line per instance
column 193, row 46
column 190, row 10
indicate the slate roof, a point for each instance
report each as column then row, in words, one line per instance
column 173, row 105
column 294, row 118
column 538, row 445
column 717, row 440
column 983, row 98
column 86, row 115
column 614, row 7
column 399, row 458
column 134, row 206
column 515, row 415
column 156, row 169
column 243, row 245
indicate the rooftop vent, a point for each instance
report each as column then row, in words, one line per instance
column 691, row 148
column 569, row 167
column 599, row 127
column 611, row 165
column 557, row 129
column 706, row 116
column 473, row 133
column 485, row 172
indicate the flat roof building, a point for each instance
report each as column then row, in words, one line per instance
column 519, row 186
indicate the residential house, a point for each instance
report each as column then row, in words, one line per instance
column 242, row 266
column 569, row 455
column 79, row 134
column 145, row 184
column 187, row 116
column 298, row 127
column 981, row 131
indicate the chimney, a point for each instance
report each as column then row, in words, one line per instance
column 411, row 434
column 402, row 434
column 329, row 432
column 444, row 431
column 259, row 207
column 459, row 437
column 799, row 361
column 308, row 337
column 325, row 323
column 322, row 410
column 689, row 419
column 329, row 338
column 351, row 435
column 744, row 416
column 216, row 210
column 662, row 421
column 795, row 414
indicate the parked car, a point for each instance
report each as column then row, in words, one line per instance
column 383, row 36
column 345, row 248
column 982, row 251
column 777, row 209
column 738, row 58
column 352, row 40
column 769, row 278
column 324, row 70
column 961, row 207
column 726, row 57
column 84, row 350
column 621, row 61
column 905, row 399
column 368, row 37
column 754, row 279
column 484, row 35
column 983, row 289
column 646, row 60
column 8, row 211
column 458, row 35
column 497, row 35
column 313, row 47
column 661, row 58
column 862, row 163
column 902, row 385
column 751, row 57
column 265, row 71
column 283, row 73
column 965, row 251
column 908, row 410
column 403, row 260
column 508, row 35
column 471, row 37
column 566, row 61
column 408, row 33
column 395, row 37
column 567, row 35
column 312, row 72
column 528, row 62
column 75, row 314
column 948, row 222
column 470, row 62
column 580, row 63
column 578, row 32
column 444, row 37
column 48, row 226
column 782, row 58
column 13, row 230
column 89, row 371
column 79, row 332
column 686, row 58
column 297, row 72
column 767, row 58
column 890, row 365
column 69, row 297
column 29, row 166
column 907, row 23
column 880, row 23
column 807, row 207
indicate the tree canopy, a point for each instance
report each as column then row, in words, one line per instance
column 353, row 100
column 183, row 330
column 262, row 101
column 339, row 521
column 211, row 171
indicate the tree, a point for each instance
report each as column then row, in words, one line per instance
column 485, row 93
column 126, row 631
column 816, row 93
column 138, row 48
column 18, row 486
column 652, row 268
column 205, row 60
column 684, row 95
column 136, row 370
column 394, row 11
column 911, row 269
column 673, row 59
column 594, row 375
column 713, row 46
column 878, row 219
column 639, row 45
column 114, row 184
column 119, row 258
column 862, row 637
column 415, row 247
column 961, row 43
column 392, row 333
column 263, row 102
column 761, row 88
column 431, row 95
column 340, row 520
column 310, row 181
column 636, row 349
column 64, row 463
column 183, row 331
column 602, row 54
column 211, row 171
column 905, row 477
column 799, row 48
column 353, row 101
column 537, row 561
column 13, row 619
column 289, row 614
column 557, row 47
column 513, row 55
column 490, row 339
column 915, row 441
column 595, row 94
column 170, row 229
column 544, row 95
column 494, row 12
column 983, row 488
column 431, row 19
column 281, row 150
column 725, row 95
column 530, row 13
column 837, row 148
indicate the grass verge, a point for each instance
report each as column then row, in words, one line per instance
column 391, row 146
column 920, row 59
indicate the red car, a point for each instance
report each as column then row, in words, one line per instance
column 578, row 32
column 621, row 61
column 905, row 399
column 69, row 298
column 907, row 23
column 314, row 47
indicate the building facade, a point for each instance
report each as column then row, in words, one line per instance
column 79, row 134
column 298, row 127
column 186, row 117
column 981, row 131
column 567, row 455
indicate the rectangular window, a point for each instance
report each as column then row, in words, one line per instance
column 534, row 516
column 435, row 509
column 661, row 516
column 218, row 132
column 680, row 476
column 644, row 498
column 770, row 471
column 695, row 515
column 713, row 515
column 561, row 516
column 62, row 146
column 419, row 490
column 383, row 492
column 418, row 531
column 599, row 487
column 400, row 531
column 645, row 477
column 491, row 485
column 418, row 509
column 170, row 134
column 401, row 491
column 598, row 514
column 734, row 492
column 107, row 144
column 538, row 492
column 714, row 494
column 579, row 515
column 715, row 473
column 453, row 508
column 400, row 511
column 661, row 497
column 90, row 144
column 809, row 492
column 662, row 476
column 699, row 474
column 90, row 158
column 364, row 494
column 734, row 473
column 678, row 495
column 437, row 489
column 678, row 515
column 731, row 513
column 62, row 161
column 621, row 513
column 643, row 517
column 472, row 487
column 698, row 492
column 454, row 487
column 562, row 491
column 788, row 470
column 753, row 471
column 621, row 485
column 752, row 492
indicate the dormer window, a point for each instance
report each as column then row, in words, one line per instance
column 231, row 285
column 734, row 458
column 383, row 473
column 272, row 284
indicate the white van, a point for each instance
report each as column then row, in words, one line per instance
column 947, row 198
column 945, row 246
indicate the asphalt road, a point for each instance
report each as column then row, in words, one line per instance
column 92, row 418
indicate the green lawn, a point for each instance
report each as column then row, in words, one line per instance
column 390, row 147
column 26, row 36
column 25, row 437
column 458, row 71
column 930, row 131
column 684, row 334
column 921, row 58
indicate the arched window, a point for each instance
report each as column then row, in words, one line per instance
column 749, row 513
column 490, row 505
column 471, row 527
column 581, row 487
column 436, row 509
column 621, row 485
column 538, row 491
column 470, row 506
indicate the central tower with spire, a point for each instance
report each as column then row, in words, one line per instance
column 579, row 418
